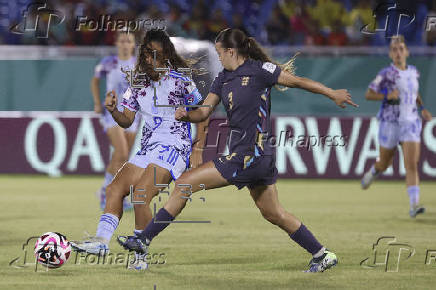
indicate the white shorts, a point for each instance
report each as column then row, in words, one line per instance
column 107, row 122
column 162, row 155
column 390, row 134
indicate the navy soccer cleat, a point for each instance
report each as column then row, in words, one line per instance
column 133, row 243
column 326, row 261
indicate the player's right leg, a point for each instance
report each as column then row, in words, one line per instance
column 120, row 155
column 266, row 199
column 388, row 136
column 117, row 190
column 383, row 162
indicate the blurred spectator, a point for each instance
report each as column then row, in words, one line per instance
column 337, row 37
column 278, row 27
column 296, row 22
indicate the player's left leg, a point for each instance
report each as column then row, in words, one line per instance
column 204, row 177
column 266, row 199
column 411, row 152
column 130, row 137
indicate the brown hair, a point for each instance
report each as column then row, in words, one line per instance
column 398, row 39
column 249, row 47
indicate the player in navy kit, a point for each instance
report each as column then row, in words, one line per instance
column 244, row 87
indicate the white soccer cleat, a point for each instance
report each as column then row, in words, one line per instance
column 368, row 178
column 139, row 263
column 93, row 245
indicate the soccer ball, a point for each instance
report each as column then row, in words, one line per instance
column 52, row 250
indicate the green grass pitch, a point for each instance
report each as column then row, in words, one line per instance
column 237, row 250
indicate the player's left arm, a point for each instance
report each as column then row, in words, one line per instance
column 426, row 115
column 340, row 97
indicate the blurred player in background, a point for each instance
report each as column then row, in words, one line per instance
column 397, row 86
column 244, row 87
column 122, row 140
column 166, row 143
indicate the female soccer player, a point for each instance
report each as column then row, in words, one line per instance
column 166, row 142
column 397, row 86
column 121, row 139
column 244, row 87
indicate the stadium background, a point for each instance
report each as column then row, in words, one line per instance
column 51, row 74
column 47, row 127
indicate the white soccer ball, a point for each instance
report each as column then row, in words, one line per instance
column 52, row 250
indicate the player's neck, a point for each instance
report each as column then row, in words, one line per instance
column 124, row 56
column 401, row 66
column 238, row 62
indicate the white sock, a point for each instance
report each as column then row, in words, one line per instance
column 106, row 227
column 413, row 192
column 319, row 253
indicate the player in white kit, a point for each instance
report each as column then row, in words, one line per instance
column 397, row 86
column 122, row 140
column 166, row 143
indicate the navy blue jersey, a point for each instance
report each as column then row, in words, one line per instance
column 245, row 93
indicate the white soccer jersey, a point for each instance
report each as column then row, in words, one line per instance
column 110, row 67
column 156, row 102
column 407, row 83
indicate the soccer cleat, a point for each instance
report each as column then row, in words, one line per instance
column 93, row 245
column 139, row 263
column 368, row 178
column 413, row 212
column 326, row 261
column 133, row 243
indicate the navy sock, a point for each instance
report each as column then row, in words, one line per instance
column 163, row 217
column 305, row 239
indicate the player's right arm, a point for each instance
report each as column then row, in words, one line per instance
column 125, row 118
column 372, row 95
column 200, row 114
column 377, row 90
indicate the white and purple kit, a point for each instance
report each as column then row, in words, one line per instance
column 110, row 68
column 165, row 141
column 399, row 121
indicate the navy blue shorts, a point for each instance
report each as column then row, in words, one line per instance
column 249, row 171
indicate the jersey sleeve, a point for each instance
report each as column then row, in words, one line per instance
column 217, row 84
column 130, row 100
column 191, row 94
column 101, row 69
column 269, row 72
column 377, row 84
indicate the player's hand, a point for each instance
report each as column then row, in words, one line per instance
column 196, row 158
column 342, row 98
column 426, row 115
column 394, row 95
column 181, row 114
column 111, row 101
column 98, row 108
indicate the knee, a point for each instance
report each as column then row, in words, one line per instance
column 113, row 192
column 273, row 216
